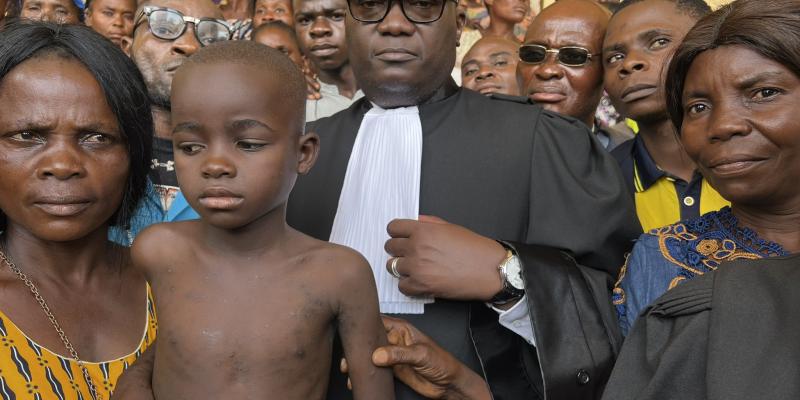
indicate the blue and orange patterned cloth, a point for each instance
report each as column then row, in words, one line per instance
column 665, row 257
column 30, row 371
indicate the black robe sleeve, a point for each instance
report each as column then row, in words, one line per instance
column 754, row 331
column 579, row 200
column 731, row 335
column 664, row 356
column 581, row 210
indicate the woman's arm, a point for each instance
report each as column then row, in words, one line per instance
column 638, row 282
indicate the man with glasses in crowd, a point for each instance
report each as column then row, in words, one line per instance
column 561, row 65
column 446, row 171
column 166, row 33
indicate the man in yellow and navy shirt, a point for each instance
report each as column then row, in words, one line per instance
column 661, row 198
column 640, row 40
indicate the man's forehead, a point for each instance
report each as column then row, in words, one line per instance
column 569, row 22
column 559, row 31
column 273, row 2
column 484, row 50
column 65, row 3
column 114, row 4
column 192, row 8
column 319, row 5
column 637, row 19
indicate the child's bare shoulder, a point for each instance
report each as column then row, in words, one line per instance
column 337, row 263
column 163, row 242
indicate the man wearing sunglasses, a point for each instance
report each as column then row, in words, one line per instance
column 166, row 33
column 446, row 171
column 560, row 66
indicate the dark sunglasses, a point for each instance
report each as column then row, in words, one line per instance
column 168, row 24
column 571, row 56
column 416, row 11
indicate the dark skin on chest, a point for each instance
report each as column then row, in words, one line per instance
column 242, row 327
column 104, row 318
column 210, row 323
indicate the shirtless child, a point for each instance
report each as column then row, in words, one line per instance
column 248, row 307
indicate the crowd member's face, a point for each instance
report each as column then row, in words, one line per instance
column 273, row 10
column 61, row 11
column 400, row 63
column 63, row 159
column 238, row 144
column 639, row 44
column 490, row 67
column 573, row 91
column 509, row 10
column 740, row 126
column 158, row 59
column 320, row 29
column 281, row 40
column 112, row 18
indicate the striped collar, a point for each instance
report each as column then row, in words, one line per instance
column 645, row 171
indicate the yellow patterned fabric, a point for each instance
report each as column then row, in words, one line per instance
column 30, row 371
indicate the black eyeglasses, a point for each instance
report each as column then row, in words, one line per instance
column 571, row 56
column 168, row 24
column 416, row 11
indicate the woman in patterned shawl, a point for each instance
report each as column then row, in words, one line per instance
column 735, row 105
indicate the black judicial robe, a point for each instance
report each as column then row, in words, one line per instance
column 507, row 170
column 732, row 334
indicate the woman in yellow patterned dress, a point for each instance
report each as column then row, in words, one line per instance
column 75, row 134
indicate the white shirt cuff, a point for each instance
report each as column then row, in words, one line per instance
column 518, row 320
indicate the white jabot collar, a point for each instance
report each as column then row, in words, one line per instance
column 382, row 183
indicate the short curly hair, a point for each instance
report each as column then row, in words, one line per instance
column 695, row 8
column 272, row 62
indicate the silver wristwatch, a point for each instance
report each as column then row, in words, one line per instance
column 510, row 270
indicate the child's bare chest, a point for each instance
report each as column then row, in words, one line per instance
column 249, row 327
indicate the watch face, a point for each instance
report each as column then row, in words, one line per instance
column 514, row 273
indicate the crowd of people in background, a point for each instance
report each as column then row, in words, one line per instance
column 409, row 199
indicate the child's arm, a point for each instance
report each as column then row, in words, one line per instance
column 361, row 329
column 136, row 382
column 152, row 247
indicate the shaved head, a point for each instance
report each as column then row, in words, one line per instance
column 271, row 64
column 586, row 10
